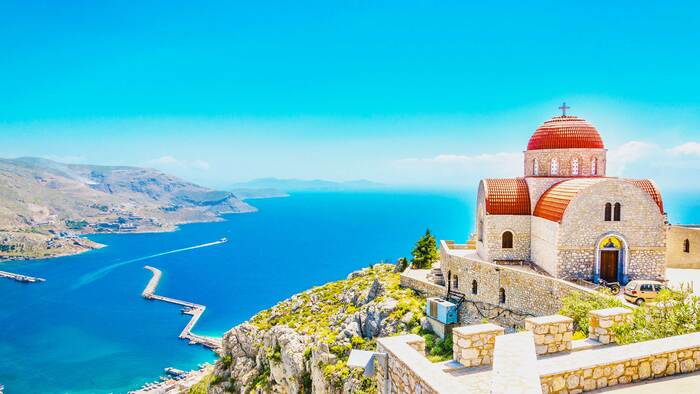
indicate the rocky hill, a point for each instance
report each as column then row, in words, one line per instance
column 45, row 205
column 302, row 344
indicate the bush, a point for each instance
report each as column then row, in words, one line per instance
column 674, row 312
column 576, row 305
column 437, row 349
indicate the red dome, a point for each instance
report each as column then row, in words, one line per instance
column 563, row 132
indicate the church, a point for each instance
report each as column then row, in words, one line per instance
column 567, row 217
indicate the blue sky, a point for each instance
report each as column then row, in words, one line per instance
column 411, row 93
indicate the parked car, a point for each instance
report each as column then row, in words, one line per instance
column 639, row 291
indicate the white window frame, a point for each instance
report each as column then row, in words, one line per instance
column 574, row 166
column 554, row 167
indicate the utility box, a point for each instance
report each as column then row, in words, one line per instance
column 441, row 310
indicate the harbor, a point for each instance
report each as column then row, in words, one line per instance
column 175, row 380
column 190, row 308
column 20, row 277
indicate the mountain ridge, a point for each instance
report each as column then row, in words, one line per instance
column 46, row 206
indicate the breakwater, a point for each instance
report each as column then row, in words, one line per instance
column 192, row 309
column 20, row 277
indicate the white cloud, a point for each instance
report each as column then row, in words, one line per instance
column 689, row 148
column 630, row 152
column 452, row 169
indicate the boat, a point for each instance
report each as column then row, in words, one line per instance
column 223, row 240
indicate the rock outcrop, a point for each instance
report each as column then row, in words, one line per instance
column 301, row 345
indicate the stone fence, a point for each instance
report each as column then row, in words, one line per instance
column 488, row 361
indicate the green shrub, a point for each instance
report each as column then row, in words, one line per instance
column 425, row 252
column 576, row 305
column 673, row 312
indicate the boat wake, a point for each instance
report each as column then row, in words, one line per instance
column 100, row 273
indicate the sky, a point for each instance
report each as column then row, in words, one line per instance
column 412, row 93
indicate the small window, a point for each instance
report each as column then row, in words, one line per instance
column 554, row 167
column 657, row 288
column 574, row 166
column 501, row 296
column 608, row 212
column 535, row 167
column 594, row 166
column 686, row 246
column 481, row 230
column 507, row 240
column 455, row 282
column 475, row 287
column 618, row 207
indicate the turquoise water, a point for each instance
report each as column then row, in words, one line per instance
column 88, row 330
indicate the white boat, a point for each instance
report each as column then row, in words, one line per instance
column 223, row 240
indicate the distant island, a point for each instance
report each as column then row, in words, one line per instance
column 276, row 187
column 46, row 206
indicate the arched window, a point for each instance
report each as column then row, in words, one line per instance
column 608, row 212
column 686, row 246
column 455, row 282
column 554, row 167
column 481, row 229
column 501, row 296
column 618, row 208
column 594, row 166
column 574, row 166
column 507, row 240
column 535, row 167
column 475, row 287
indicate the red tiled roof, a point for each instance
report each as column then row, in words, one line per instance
column 562, row 132
column 506, row 196
column 650, row 187
column 554, row 201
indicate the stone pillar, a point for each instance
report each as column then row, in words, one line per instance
column 601, row 321
column 552, row 333
column 473, row 345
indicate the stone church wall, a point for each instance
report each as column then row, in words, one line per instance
column 641, row 225
column 544, row 244
column 526, row 293
column 496, row 225
column 537, row 186
column 675, row 252
column 565, row 158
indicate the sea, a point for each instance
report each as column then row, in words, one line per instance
column 88, row 330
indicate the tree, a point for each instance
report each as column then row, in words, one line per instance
column 425, row 252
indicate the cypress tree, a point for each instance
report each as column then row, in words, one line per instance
column 425, row 252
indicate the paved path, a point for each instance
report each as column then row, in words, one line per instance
column 676, row 384
column 676, row 276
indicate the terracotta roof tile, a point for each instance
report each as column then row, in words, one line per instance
column 554, row 201
column 562, row 132
column 650, row 187
column 507, row 196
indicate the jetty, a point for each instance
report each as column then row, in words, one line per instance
column 20, row 277
column 192, row 309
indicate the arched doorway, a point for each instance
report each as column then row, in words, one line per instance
column 611, row 255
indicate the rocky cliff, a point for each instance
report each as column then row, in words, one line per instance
column 301, row 345
column 44, row 204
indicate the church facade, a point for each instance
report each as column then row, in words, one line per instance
column 567, row 216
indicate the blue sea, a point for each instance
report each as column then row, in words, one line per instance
column 87, row 329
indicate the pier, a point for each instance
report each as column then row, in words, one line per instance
column 194, row 310
column 20, row 277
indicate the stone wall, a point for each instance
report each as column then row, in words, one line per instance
column 602, row 321
column 537, row 186
column 418, row 283
column 641, row 226
column 495, row 226
column 525, row 292
column 675, row 250
column 473, row 345
column 638, row 361
column 552, row 333
column 402, row 378
column 565, row 158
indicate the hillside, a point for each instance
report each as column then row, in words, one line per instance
column 45, row 205
column 301, row 345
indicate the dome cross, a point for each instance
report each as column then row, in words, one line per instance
column 563, row 108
